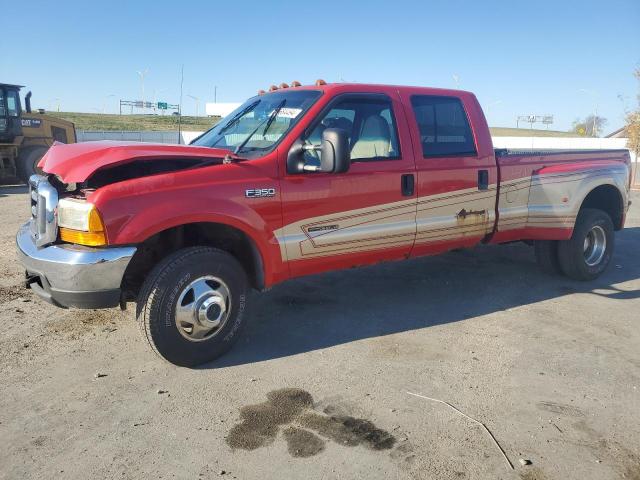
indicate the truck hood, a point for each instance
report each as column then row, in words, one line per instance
column 77, row 162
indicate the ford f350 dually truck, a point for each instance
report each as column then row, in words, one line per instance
column 296, row 181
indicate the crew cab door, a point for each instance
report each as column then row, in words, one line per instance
column 364, row 215
column 456, row 177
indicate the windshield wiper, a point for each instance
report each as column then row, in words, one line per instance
column 237, row 116
column 269, row 120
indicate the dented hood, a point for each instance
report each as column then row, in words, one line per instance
column 76, row 162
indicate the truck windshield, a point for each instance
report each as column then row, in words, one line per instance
column 258, row 125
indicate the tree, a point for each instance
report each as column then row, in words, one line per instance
column 590, row 126
column 632, row 127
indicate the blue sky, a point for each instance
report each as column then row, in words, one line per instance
column 518, row 57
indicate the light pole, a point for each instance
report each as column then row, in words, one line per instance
column 142, row 75
column 196, row 99
column 456, row 80
column 55, row 101
column 215, row 94
column 104, row 103
column 594, row 94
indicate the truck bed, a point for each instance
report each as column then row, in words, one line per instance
column 540, row 191
column 608, row 153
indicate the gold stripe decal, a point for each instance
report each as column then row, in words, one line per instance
column 389, row 225
column 539, row 201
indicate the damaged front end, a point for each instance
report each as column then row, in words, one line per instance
column 65, row 249
column 73, row 174
column 67, row 274
column 95, row 164
column 139, row 168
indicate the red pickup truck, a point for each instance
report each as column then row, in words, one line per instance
column 296, row 181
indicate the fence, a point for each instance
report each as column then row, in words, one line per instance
column 170, row 136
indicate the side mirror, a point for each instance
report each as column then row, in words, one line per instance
column 334, row 153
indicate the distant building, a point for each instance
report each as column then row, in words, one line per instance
column 620, row 133
column 220, row 109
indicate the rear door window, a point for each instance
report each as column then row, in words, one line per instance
column 443, row 125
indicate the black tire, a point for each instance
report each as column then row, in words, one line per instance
column 571, row 253
column 28, row 163
column 547, row 256
column 164, row 286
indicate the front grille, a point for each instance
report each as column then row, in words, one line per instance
column 44, row 201
column 33, row 194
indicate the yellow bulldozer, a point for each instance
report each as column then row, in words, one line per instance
column 25, row 136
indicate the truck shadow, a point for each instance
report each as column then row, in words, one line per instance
column 6, row 190
column 340, row 307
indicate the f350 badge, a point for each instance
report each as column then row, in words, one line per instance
column 260, row 192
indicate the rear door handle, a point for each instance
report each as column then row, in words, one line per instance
column 407, row 184
column 483, row 179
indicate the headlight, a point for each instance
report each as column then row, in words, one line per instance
column 80, row 222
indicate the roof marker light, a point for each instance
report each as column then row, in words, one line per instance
column 273, row 88
column 284, row 85
column 320, row 82
column 296, row 83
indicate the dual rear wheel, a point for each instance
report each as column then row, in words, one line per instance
column 586, row 254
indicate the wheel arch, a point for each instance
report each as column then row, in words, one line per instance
column 224, row 236
column 608, row 198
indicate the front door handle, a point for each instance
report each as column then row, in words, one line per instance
column 483, row 179
column 407, row 184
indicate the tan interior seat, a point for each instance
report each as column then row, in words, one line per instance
column 374, row 140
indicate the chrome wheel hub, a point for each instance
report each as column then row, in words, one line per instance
column 202, row 308
column 595, row 246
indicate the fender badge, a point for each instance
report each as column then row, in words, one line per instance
column 260, row 192
column 322, row 228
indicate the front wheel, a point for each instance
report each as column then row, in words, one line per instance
column 588, row 252
column 191, row 306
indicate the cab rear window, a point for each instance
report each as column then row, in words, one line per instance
column 443, row 126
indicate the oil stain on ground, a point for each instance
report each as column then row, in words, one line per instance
column 302, row 443
column 348, row 431
column 261, row 424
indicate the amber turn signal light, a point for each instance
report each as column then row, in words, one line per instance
column 90, row 239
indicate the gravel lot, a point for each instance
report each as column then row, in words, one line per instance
column 551, row 366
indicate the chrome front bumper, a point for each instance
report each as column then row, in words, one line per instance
column 73, row 275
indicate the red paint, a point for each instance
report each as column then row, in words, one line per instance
column 136, row 209
column 77, row 161
column 532, row 233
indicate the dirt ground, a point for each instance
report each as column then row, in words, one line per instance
column 317, row 387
